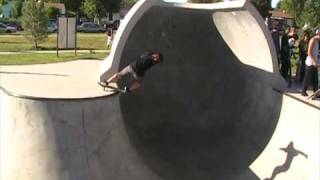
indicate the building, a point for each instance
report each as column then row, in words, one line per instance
column 281, row 18
column 7, row 10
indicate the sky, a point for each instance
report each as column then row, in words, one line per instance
column 273, row 3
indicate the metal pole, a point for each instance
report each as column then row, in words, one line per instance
column 57, row 46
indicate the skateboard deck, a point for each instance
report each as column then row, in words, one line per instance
column 314, row 95
column 104, row 85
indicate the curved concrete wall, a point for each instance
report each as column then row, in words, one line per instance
column 207, row 112
column 210, row 108
column 82, row 139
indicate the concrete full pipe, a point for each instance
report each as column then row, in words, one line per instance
column 210, row 109
column 206, row 113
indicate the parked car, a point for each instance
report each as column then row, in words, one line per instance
column 52, row 27
column 90, row 27
column 16, row 25
column 7, row 29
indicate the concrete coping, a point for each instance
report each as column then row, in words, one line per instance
column 67, row 80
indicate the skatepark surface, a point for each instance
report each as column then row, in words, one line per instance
column 215, row 109
column 85, row 137
column 70, row 80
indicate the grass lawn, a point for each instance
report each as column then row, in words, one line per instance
column 38, row 58
column 17, row 42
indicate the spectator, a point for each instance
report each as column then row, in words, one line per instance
column 285, row 56
column 311, row 74
column 109, row 33
column 303, row 52
column 293, row 33
column 276, row 40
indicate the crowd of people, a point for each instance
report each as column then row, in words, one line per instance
column 286, row 41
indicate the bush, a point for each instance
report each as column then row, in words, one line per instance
column 53, row 12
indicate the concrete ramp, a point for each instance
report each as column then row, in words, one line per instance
column 293, row 151
column 213, row 93
column 212, row 110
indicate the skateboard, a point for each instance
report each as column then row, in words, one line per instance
column 104, row 85
column 314, row 95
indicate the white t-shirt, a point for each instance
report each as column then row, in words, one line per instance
column 315, row 52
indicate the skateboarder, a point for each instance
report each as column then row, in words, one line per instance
column 137, row 69
column 311, row 74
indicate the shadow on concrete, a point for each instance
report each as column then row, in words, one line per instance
column 291, row 154
column 32, row 73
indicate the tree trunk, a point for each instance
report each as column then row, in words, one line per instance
column 110, row 16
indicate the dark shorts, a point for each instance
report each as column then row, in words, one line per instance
column 129, row 70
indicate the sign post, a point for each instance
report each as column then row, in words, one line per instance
column 67, row 34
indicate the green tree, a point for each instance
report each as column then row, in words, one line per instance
column 52, row 1
column 99, row 8
column 128, row 3
column 53, row 12
column 17, row 8
column 89, row 8
column 293, row 7
column 303, row 11
column 35, row 21
column 204, row 1
column 111, row 6
column 310, row 14
column 73, row 5
column 3, row 2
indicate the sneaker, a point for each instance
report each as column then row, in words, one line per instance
column 303, row 93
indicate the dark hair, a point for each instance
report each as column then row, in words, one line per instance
column 160, row 56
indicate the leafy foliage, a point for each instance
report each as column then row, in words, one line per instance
column 303, row 11
column 293, row 7
column 128, row 3
column 35, row 21
column 17, row 8
column 2, row 2
column 205, row 1
column 90, row 8
column 311, row 14
column 99, row 8
column 53, row 12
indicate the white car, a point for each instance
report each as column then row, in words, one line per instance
column 7, row 29
column 90, row 27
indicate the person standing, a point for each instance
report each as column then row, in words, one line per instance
column 276, row 41
column 285, row 56
column 303, row 53
column 311, row 74
column 109, row 33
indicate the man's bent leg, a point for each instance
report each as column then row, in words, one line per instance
column 135, row 86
